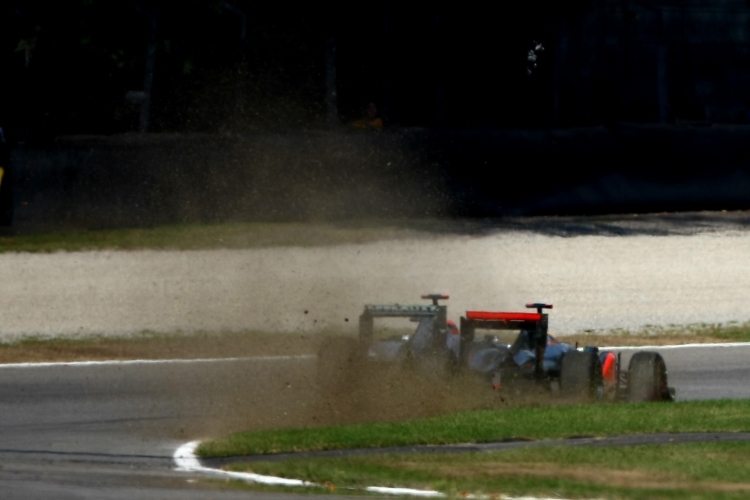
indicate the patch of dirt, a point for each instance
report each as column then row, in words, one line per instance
column 234, row 344
column 212, row 400
column 641, row 479
column 640, row 340
column 190, row 346
column 381, row 394
column 374, row 392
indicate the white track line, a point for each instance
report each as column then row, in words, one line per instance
column 305, row 356
column 186, row 461
column 679, row 346
column 152, row 361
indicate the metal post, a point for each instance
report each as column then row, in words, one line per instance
column 241, row 14
column 439, row 73
column 385, row 64
column 661, row 81
column 148, row 78
column 332, row 110
column 239, row 87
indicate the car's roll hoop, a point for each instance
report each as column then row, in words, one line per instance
column 538, row 306
column 435, row 297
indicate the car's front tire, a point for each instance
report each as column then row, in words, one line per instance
column 647, row 378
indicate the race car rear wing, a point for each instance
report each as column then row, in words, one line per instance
column 418, row 311
column 503, row 317
column 534, row 323
column 400, row 311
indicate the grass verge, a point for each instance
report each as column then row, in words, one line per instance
column 178, row 345
column 149, row 345
column 495, row 425
column 666, row 335
column 215, row 236
column 685, row 471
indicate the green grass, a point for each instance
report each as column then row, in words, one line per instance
column 152, row 345
column 197, row 237
column 686, row 471
column 730, row 333
column 494, row 425
column 663, row 335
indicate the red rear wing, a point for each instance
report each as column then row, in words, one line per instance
column 502, row 316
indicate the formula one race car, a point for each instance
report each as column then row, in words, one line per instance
column 438, row 348
column 432, row 348
column 537, row 355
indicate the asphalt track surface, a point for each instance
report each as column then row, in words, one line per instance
column 108, row 431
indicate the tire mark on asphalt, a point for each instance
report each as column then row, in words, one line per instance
column 81, row 454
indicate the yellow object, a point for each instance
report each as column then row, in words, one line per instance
column 2, row 171
column 374, row 123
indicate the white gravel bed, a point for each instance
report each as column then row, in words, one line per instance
column 594, row 282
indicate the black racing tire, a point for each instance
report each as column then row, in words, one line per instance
column 647, row 377
column 581, row 375
column 341, row 362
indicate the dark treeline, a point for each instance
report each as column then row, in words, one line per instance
column 88, row 66
column 80, row 66
column 236, row 93
column 77, row 66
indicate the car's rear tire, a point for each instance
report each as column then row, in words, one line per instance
column 581, row 375
column 340, row 365
column 647, row 377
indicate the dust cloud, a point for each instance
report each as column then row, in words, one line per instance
column 242, row 396
column 595, row 282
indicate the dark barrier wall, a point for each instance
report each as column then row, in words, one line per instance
column 147, row 180
column 141, row 181
column 6, row 184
